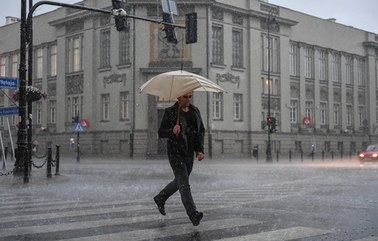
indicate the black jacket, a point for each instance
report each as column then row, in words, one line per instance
column 179, row 145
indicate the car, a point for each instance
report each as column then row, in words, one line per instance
column 369, row 155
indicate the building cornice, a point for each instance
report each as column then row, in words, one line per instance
column 158, row 70
column 371, row 44
column 83, row 14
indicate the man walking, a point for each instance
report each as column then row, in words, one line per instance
column 182, row 125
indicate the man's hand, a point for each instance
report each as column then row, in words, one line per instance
column 200, row 156
column 176, row 130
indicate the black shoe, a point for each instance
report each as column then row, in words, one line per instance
column 160, row 205
column 196, row 218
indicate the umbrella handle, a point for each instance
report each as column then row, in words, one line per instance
column 178, row 119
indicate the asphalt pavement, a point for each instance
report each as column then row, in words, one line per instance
column 110, row 198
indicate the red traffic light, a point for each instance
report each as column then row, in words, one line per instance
column 270, row 120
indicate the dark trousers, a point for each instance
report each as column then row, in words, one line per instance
column 182, row 167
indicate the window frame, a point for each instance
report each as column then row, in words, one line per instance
column 217, row 40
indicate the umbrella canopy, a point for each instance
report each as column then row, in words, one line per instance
column 171, row 85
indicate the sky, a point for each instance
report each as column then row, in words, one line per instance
column 360, row 14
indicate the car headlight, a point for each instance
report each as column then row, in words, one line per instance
column 361, row 155
column 375, row 155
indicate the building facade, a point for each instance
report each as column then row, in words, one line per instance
column 322, row 85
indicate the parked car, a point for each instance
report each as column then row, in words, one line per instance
column 369, row 155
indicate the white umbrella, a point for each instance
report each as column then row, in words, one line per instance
column 170, row 85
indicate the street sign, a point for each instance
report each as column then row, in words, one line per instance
column 85, row 123
column 78, row 127
column 7, row 82
column 306, row 120
column 9, row 110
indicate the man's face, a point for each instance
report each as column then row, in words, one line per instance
column 184, row 100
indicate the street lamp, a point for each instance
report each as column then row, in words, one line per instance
column 23, row 134
column 21, row 154
column 270, row 20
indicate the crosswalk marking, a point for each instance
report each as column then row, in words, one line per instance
column 172, row 230
column 59, row 205
column 280, row 235
column 72, row 213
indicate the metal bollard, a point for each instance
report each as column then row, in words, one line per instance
column 301, row 155
column 57, row 154
column 323, row 155
column 289, row 155
column 332, row 155
column 312, row 155
column 49, row 162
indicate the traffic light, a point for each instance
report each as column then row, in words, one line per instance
column 120, row 15
column 191, row 28
column 271, row 124
column 170, row 31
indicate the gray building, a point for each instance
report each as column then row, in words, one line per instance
column 322, row 88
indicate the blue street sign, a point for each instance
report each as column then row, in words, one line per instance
column 7, row 82
column 78, row 127
column 9, row 110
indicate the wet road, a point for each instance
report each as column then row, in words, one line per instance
column 111, row 199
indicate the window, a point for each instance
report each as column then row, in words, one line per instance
column 270, row 58
column 323, row 113
column 293, row 59
column 267, row 85
column 349, row 70
column 52, row 63
column 336, row 67
column 237, row 48
column 361, row 115
column 309, row 62
column 349, row 110
column 217, row 106
column 38, row 108
column 238, row 107
column 273, row 86
column 360, row 72
column 309, row 109
column 124, row 99
column 124, row 47
column 13, row 120
column 74, row 106
column 217, row 48
column 52, row 111
column 105, row 48
column 298, row 146
column 105, row 102
column 336, row 114
column 75, row 54
column 38, row 63
column 14, row 65
column 327, row 146
column 293, row 111
column 2, row 65
column 323, row 63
